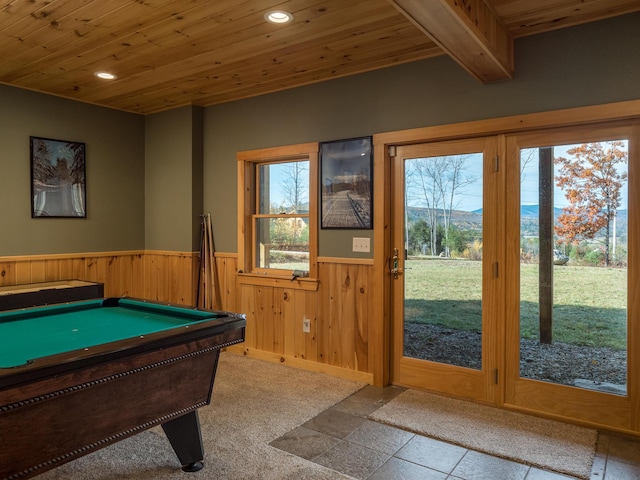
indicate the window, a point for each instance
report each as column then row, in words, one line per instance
column 281, row 224
column 278, row 194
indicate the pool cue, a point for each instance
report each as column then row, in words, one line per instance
column 215, row 288
column 208, row 259
column 205, row 288
column 199, row 266
column 200, row 261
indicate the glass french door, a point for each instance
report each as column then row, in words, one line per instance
column 571, row 238
column 443, row 267
column 513, row 267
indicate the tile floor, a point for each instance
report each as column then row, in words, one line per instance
column 341, row 438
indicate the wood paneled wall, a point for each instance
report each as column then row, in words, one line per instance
column 338, row 305
column 162, row 276
column 339, row 310
column 121, row 272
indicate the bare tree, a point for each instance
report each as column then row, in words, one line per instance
column 421, row 177
column 295, row 185
column 295, row 188
column 433, row 182
column 452, row 179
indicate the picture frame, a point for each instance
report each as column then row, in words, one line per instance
column 346, row 184
column 58, row 178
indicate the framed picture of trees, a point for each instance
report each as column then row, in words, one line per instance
column 346, row 168
column 58, row 178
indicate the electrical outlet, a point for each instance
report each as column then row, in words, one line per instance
column 361, row 244
column 306, row 325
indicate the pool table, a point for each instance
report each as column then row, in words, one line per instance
column 79, row 376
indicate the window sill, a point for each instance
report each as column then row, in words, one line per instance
column 309, row 284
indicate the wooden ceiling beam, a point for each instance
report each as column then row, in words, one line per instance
column 468, row 31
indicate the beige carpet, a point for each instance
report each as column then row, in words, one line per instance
column 531, row 440
column 253, row 403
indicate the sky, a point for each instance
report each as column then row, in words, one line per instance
column 469, row 197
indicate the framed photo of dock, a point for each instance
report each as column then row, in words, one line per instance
column 58, row 178
column 346, row 183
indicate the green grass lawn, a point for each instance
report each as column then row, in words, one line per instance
column 589, row 302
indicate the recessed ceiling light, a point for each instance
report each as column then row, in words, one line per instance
column 106, row 75
column 278, row 16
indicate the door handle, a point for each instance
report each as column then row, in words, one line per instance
column 395, row 271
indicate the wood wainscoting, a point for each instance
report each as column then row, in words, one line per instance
column 338, row 303
column 161, row 276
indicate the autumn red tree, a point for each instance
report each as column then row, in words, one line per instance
column 592, row 184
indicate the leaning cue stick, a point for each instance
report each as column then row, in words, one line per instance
column 209, row 263
column 200, row 260
column 205, row 258
column 212, row 264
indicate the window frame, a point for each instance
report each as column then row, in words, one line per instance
column 248, row 201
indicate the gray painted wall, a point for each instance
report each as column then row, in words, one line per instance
column 173, row 179
column 585, row 65
column 115, row 175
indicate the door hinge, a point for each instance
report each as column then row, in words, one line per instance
column 495, row 270
column 496, row 165
column 392, row 151
column 495, row 376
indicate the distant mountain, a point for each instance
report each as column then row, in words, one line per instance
column 461, row 218
column 533, row 211
column 528, row 213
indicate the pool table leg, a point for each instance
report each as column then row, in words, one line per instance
column 185, row 438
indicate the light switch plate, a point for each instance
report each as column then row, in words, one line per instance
column 361, row 244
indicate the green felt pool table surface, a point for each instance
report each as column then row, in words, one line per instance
column 26, row 335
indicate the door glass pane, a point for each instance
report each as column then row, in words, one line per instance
column 573, row 265
column 443, row 266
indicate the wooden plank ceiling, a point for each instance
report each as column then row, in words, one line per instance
column 170, row 53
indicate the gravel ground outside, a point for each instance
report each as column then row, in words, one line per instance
column 602, row 369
